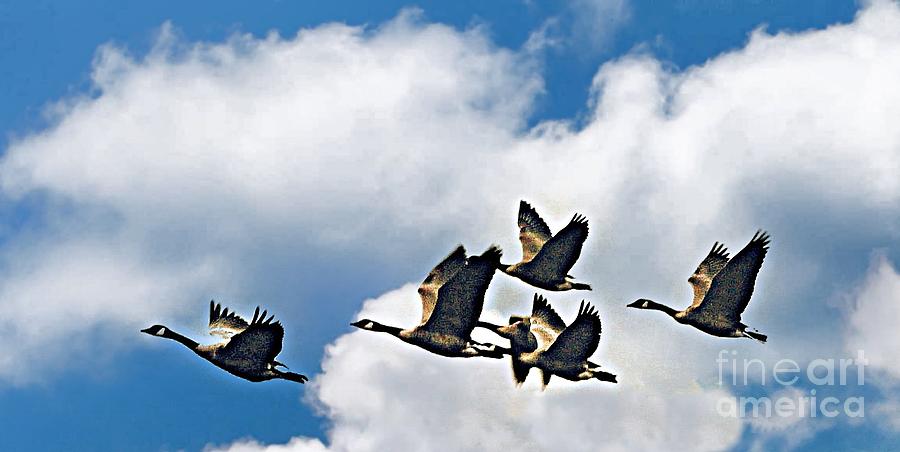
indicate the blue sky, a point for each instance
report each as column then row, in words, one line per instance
column 112, row 391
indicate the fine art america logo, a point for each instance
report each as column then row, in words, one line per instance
column 818, row 374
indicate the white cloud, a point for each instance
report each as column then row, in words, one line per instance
column 874, row 316
column 295, row 444
column 596, row 21
column 56, row 302
column 383, row 394
column 584, row 25
column 401, row 141
column 887, row 413
column 213, row 152
column 267, row 126
column 790, row 427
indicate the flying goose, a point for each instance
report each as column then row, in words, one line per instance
column 722, row 289
column 249, row 350
column 452, row 299
column 544, row 341
column 547, row 258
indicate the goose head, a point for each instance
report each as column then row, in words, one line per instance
column 642, row 303
column 517, row 327
column 372, row 325
column 166, row 332
column 366, row 324
column 156, row 330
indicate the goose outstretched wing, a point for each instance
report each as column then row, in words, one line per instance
column 560, row 253
column 224, row 323
column 257, row 345
column 732, row 287
column 580, row 339
column 701, row 279
column 428, row 290
column 533, row 231
column 460, row 300
column 546, row 324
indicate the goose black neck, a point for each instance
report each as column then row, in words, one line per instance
column 661, row 307
column 519, row 346
column 187, row 342
column 392, row 330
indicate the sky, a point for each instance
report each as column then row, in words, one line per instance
column 318, row 159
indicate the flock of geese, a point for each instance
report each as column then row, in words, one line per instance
column 452, row 297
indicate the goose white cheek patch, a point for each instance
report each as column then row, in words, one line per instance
column 645, row 304
column 161, row 332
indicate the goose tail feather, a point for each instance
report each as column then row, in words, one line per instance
column 754, row 335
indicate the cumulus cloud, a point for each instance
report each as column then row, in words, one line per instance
column 874, row 314
column 790, row 427
column 214, row 153
column 385, row 142
column 383, row 394
column 270, row 126
column 51, row 299
column 887, row 413
column 871, row 327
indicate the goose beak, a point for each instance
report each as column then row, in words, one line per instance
column 146, row 330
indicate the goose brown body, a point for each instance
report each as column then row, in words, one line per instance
column 547, row 258
column 452, row 297
column 248, row 350
column 544, row 341
column 722, row 289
